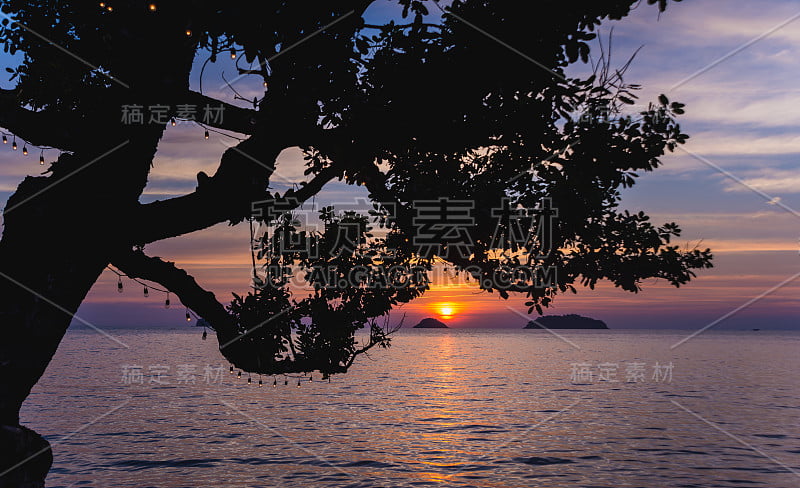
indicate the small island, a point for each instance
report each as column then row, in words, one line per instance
column 571, row 321
column 430, row 323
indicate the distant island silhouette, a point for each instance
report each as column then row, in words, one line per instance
column 571, row 321
column 431, row 323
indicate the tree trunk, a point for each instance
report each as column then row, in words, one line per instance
column 26, row 457
column 61, row 231
column 35, row 312
column 58, row 235
column 38, row 298
column 47, row 266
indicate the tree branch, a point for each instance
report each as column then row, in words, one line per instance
column 236, row 345
column 37, row 128
column 49, row 129
column 227, row 196
column 232, row 118
column 378, row 336
column 242, row 353
column 311, row 188
column 136, row 264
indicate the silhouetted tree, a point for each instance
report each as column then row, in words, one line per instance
column 429, row 109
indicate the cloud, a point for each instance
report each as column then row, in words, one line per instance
column 730, row 104
column 737, row 144
column 754, row 89
column 748, row 20
column 769, row 181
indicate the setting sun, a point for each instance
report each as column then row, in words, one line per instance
column 446, row 310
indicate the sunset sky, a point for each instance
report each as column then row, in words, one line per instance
column 735, row 188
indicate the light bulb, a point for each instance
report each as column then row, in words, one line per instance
column 231, row 369
column 188, row 32
column 188, row 317
column 166, row 302
column 249, row 380
column 146, row 292
column 14, row 145
column 152, row 7
column 275, row 383
column 41, row 159
column 239, row 375
column 119, row 286
column 233, row 54
column 298, row 383
column 206, row 135
column 25, row 150
column 103, row 4
column 5, row 140
column 260, row 383
column 109, row 8
column 205, row 334
column 172, row 121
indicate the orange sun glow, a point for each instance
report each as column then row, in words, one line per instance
column 446, row 310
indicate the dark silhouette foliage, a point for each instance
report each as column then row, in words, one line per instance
column 449, row 101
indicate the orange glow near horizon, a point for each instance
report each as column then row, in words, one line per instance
column 446, row 310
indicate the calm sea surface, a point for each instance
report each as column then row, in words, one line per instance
column 509, row 408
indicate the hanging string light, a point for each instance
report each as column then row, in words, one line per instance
column 285, row 381
column 275, row 383
column 239, row 375
column 173, row 122
column 231, row 369
column 25, row 149
column 152, row 7
column 209, row 130
column 147, row 288
column 233, row 53
column 249, row 380
column 298, row 383
column 205, row 334
column 188, row 32
column 206, row 135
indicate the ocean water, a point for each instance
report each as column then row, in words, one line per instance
column 483, row 408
